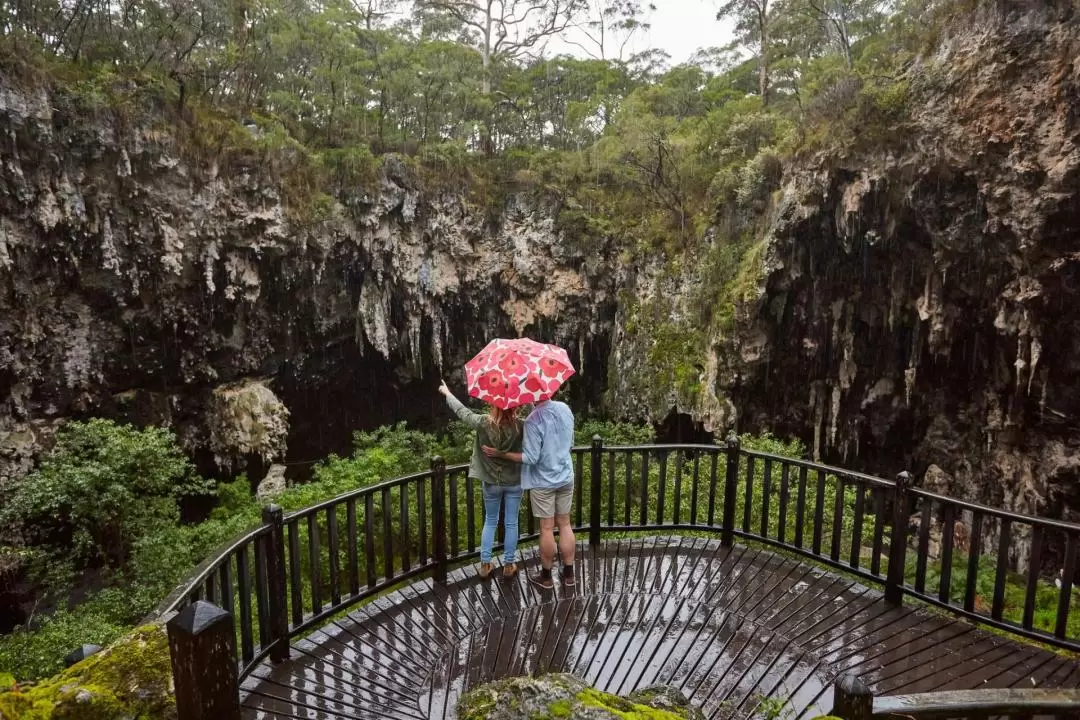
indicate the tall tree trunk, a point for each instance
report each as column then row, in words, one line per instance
column 486, row 142
column 763, row 65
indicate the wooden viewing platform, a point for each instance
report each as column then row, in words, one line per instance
column 751, row 582
column 727, row 626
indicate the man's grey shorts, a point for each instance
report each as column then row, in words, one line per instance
column 549, row 503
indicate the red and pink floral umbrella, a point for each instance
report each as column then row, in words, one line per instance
column 511, row 373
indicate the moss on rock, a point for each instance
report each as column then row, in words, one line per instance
column 130, row 680
column 565, row 697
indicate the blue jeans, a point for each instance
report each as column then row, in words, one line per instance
column 494, row 497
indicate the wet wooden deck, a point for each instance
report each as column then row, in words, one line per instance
column 729, row 627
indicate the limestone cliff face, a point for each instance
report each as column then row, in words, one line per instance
column 136, row 283
column 920, row 309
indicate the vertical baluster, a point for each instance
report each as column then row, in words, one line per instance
column 878, row 503
column 1065, row 594
column 406, row 540
column 694, row 488
column 262, row 609
column 785, row 493
column 680, row 458
column 296, row 585
column 766, row 492
column 974, row 550
column 661, row 488
column 856, row 531
column 626, row 488
column 354, row 553
column 819, row 511
column 315, row 557
column 333, row 549
column 731, row 491
column 210, row 585
column 452, row 512
column 421, row 511
column 470, row 514
column 1033, row 575
column 579, row 484
column 438, row 517
column 837, row 520
column 948, row 527
column 800, row 507
column 194, row 596
column 369, row 539
column 388, row 535
column 1001, row 576
column 748, row 498
column 714, row 462
column 924, row 544
column 611, row 488
column 243, row 579
column 228, row 589
column 644, row 487
column 596, row 479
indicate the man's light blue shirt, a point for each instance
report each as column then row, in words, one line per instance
column 545, row 451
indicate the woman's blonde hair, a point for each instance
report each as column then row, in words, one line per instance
column 502, row 418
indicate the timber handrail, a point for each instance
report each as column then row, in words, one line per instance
column 852, row 700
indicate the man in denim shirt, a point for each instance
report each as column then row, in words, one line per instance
column 547, row 472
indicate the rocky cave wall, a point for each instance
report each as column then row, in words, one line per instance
column 136, row 284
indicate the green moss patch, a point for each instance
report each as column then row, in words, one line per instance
column 565, row 697
column 131, row 679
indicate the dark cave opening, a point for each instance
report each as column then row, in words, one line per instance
column 681, row 428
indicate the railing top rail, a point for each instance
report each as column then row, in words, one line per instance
column 203, row 570
column 985, row 702
column 366, row 490
column 831, row 469
column 658, row 447
column 997, row 512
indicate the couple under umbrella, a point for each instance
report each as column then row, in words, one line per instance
column 510, row 455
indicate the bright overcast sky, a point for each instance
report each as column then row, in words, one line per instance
column 680, row 27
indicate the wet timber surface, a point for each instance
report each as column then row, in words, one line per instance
column 729, row 627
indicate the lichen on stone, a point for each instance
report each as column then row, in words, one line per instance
column 130, row 680
column 563, row 696
column 247, row 419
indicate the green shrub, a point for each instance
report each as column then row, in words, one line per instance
column 102, row 488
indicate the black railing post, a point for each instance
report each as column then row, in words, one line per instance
column 731, row 489
column 202, row 647
column 894, row 581
column 594, row 490
column 852, row 699
column 274, row 519
column 438, row 516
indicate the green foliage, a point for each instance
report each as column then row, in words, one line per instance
column 102, row 488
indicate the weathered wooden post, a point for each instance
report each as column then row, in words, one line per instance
column 731, row 489
column 202, row 646
column 274, row 543
column 852, row 700
column 594, row 490
column 438, row 515
column 894, row 581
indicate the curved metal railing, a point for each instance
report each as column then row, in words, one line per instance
column 299, row 569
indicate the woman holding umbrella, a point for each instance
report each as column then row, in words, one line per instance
column 500, row 479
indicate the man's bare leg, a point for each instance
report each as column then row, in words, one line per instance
column 547, row 542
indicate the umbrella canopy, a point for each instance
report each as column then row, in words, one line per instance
column 511, row 373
